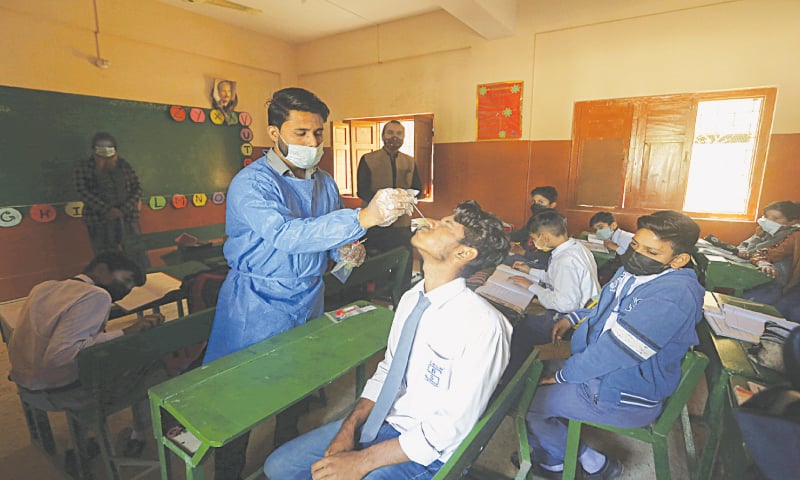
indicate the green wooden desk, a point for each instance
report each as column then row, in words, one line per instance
column 600, row 258
column 717, row 272
column 728, row 358
column 222, row 400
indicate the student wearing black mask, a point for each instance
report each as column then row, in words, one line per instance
column 523, row 248
column 627, row 351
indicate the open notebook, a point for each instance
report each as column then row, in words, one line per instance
column 155, row 288
column 499, row 289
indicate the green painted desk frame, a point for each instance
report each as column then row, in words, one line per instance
column 722, row 273
column 226, row 398
column 727, row 358
column 513, row 400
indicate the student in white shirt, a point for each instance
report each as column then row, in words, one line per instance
column 459, row 352
column 568, row 284
column 606, row 228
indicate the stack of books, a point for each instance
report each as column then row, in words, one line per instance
column 741, row 319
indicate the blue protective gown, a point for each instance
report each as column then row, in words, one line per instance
column 281, row 230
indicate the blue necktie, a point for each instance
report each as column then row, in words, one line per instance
column 396, row 373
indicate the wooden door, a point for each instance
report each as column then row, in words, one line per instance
column 342, row 164
column 423, row 152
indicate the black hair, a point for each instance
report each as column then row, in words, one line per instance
column 550, row 220
column 605, row 217
column 223, row 82
column 390, row 122
column 483, row 231
column 674, row 227
column 294, row 98
column 789, row 209
column 103, row 136
column 548, row 192
column 116, row 261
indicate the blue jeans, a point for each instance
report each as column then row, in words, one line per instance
column 553, row 404
column 293, row 460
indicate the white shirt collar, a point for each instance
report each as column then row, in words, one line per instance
column 443, row 293
column 564, row 246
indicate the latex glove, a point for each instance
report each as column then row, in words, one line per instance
column 386, row 207
column 353, row 254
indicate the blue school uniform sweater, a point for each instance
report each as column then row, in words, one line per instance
column 638, row 361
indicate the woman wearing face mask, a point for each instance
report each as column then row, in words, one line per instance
column 110, row 192
column 775, row 250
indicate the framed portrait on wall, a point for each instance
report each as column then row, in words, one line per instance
column 224, row 96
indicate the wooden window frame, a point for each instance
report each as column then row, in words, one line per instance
column 422, row 143
column 630, row 200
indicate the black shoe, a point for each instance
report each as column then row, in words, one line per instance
column 611, row 470
column 133, row 448
column 127, row 446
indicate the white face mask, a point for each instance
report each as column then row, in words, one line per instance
column 604, row 233
column 302, row 156
column 105, row 151
column 768, row 225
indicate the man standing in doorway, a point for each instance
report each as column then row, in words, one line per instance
column 388, row 167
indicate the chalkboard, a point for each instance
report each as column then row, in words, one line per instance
column 43, row 134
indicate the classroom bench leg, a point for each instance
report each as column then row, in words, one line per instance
column 79, row 445
column 39, row 428
column 160, row 435
column 714, row 419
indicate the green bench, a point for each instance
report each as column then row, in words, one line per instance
column 386, row 270
column 185, row 261
column 727, row 359
column 118, row 373
column 692, row 367
column 514, row 400
column 228, row 397
column 717, row 272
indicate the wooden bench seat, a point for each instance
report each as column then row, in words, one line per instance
column 118, row 373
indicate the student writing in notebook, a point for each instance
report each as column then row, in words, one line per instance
column 568, row 283
column 522, row 248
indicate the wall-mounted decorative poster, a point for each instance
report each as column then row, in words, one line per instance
column 499, row 111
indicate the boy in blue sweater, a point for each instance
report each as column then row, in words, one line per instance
column 626, row 355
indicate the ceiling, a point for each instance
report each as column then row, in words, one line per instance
column 297, row 21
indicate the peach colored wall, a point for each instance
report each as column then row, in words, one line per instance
column 727, row 46
column 432, row 63
column 158, row 54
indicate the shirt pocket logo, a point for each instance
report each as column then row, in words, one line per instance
column 433, row 373
column 437, row 369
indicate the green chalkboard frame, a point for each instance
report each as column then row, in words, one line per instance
column 43, row 134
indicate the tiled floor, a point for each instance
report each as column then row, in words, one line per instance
column 20, row 460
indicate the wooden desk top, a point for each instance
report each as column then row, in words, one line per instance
column 221, row 400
